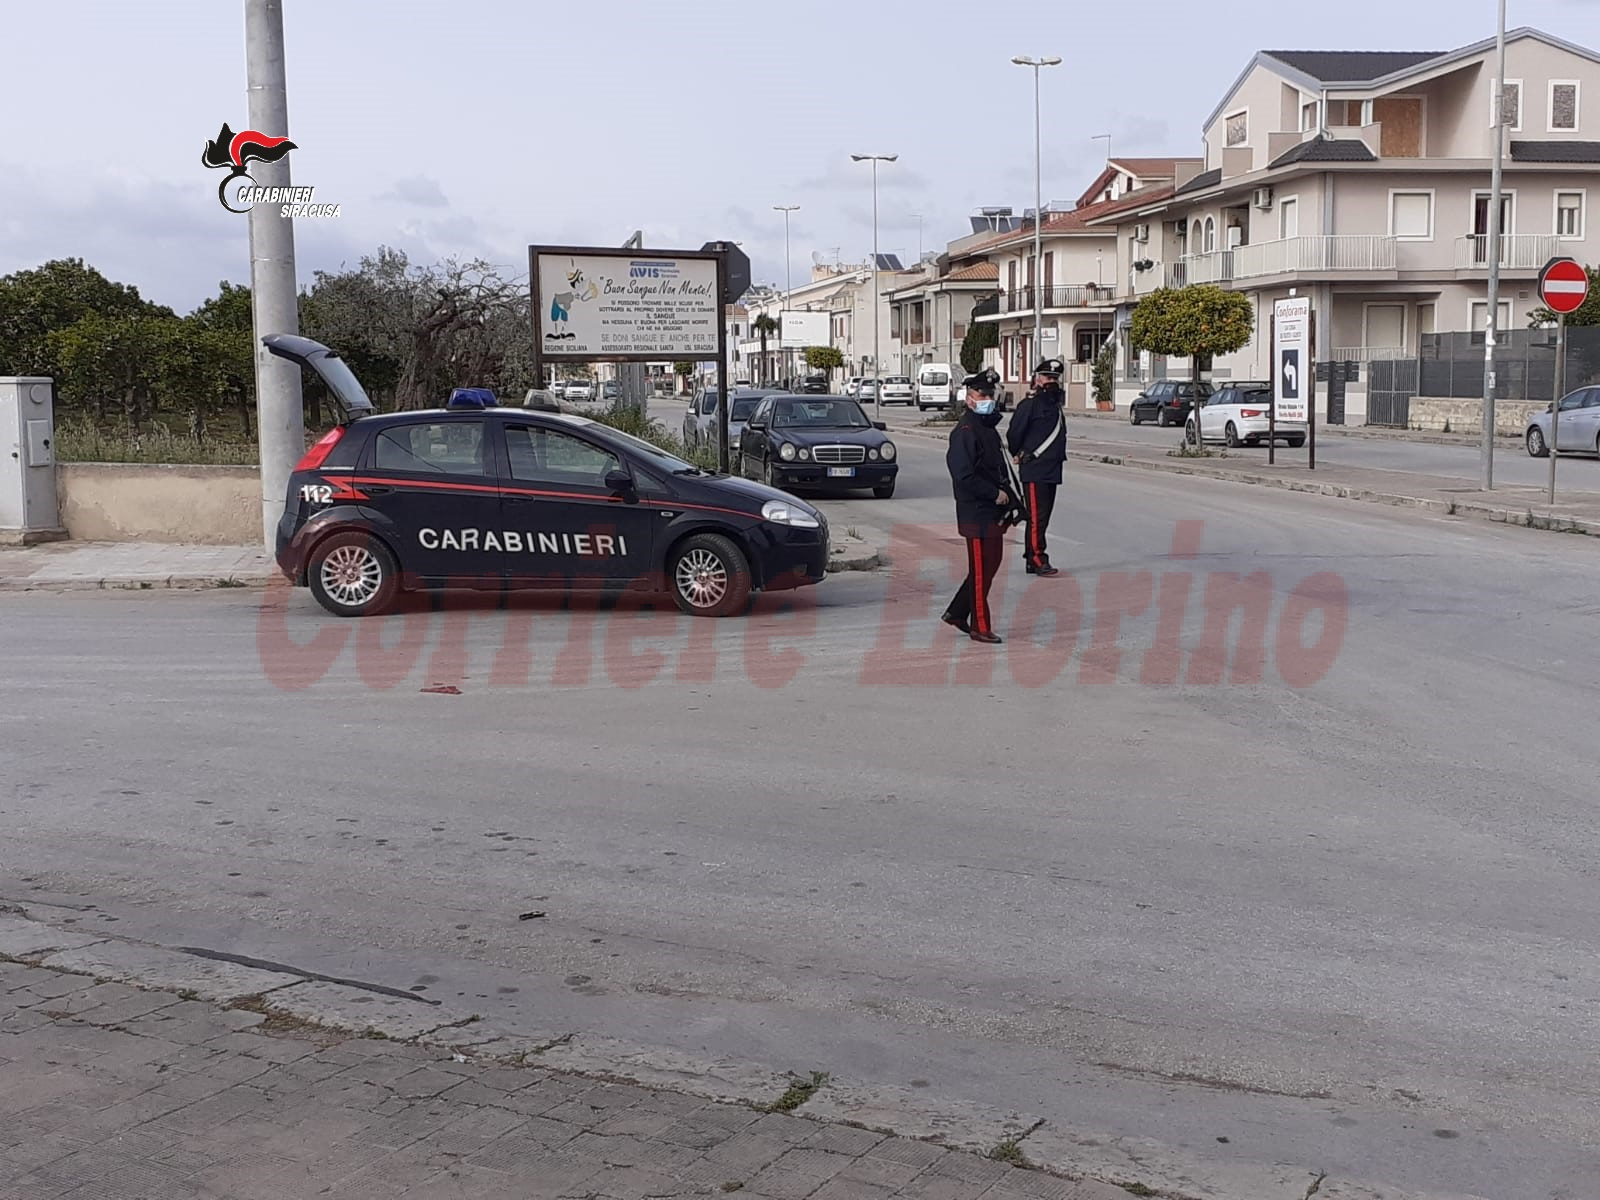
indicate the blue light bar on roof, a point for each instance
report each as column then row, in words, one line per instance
column 471, row 398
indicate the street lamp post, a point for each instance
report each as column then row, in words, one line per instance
column 1038, row 201
column 1497, row 190
column 788, row 277
column 877, row 361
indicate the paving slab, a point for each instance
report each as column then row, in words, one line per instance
column 359, row 1011
column 725, row 1081
column 22, row 938
column 62, row 566
column 155, row 967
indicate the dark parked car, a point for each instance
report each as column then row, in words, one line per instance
column 1167, row 402
column 815, row 385
column 823, row 442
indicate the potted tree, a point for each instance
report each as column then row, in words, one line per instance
column 1103, row 378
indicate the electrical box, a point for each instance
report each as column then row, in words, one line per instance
column 29, row 510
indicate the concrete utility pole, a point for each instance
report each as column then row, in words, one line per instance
column 280, row 417
column 1038, row 206
column 1494, row 253
column 877, row 361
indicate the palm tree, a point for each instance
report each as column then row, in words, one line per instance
column 764, row 325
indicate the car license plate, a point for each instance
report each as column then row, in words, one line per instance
column 841, row 472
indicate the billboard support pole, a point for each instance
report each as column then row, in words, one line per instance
column 1311, row 385
column 723, row 384
column 1272, row 412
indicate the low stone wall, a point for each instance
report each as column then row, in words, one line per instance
column 135, row 502
column 1511, row 417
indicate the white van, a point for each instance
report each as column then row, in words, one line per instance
column 936, row 383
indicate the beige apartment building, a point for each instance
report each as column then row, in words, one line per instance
column 1363, row 180
column 1076, row 273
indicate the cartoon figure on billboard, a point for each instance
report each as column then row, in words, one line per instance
column 561, row 303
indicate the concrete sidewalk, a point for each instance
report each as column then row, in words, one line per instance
column 113, row 1092
column 78, row 566
column 1573, row 512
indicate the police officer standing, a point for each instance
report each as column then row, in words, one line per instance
column 985, row 507
column 1038, row 441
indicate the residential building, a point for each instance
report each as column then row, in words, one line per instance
column 845, row 292
column 1362, row 180
column 932, row 311
column 1075, row 274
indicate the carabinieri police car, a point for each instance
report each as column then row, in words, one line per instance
column 476, row 496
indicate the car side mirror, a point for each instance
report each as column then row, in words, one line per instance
column 619, row 482
column 880, row 426
column 756, row 425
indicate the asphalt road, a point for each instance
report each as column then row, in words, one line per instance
column 1512, row 465
column 1337, row 906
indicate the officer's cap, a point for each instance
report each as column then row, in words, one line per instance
column 984, row 382
column 1051, row 366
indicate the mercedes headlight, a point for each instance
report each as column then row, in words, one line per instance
column 786, row 452
column 805, row 453
column 786, row 512
column 873, row 453
column 887, row 450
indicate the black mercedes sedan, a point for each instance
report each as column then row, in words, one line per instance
column 823, row 443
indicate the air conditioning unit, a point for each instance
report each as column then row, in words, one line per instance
column 1263, row 199
column 1141, row 233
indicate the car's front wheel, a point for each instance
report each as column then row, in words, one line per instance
column 1537, row 447
column 710, row 576
column 353, row 574
column 1133, row 416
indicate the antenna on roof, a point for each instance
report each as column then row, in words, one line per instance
column 1106, row 138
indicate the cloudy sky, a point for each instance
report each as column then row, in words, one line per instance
column 474, row 127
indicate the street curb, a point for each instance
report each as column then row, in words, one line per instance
column 135, row 584
column 1119, row 1165
column 1525, row 518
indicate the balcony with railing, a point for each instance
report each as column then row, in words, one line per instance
column 1310, row 255
column 1078, row 296
column 1518, row 252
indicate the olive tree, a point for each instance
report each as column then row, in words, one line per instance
column 1196, row 323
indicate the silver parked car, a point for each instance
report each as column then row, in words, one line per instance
column 700, row 423
column 1579, row 428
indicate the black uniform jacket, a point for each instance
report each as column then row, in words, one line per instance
column 1031, row 426
column 978, row 474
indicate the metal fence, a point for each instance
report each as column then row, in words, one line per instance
column 1451, row 365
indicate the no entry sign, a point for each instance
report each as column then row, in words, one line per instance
column 1563, row 285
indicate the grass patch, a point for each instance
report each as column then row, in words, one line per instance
column 229, row 582
column 82, row 441
column 733, row 1185
column 799, row 1092
column 1138, row 1189
column 1010, row 1151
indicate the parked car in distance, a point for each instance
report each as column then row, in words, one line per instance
column 1166, row 402
column 1578, row 431
column 898, row 389
column 821, row 442
column 936, row 386
column 867, row 393
column 700, row 425
column 611, row 390
column 853, row 386
column 580, row 389
column 1241, row 415
column 815, row 385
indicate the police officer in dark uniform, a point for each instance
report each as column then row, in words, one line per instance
column 1037, row 437
column 985, row 505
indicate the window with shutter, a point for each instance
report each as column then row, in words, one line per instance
column 1563, row 107
column 1411, row 216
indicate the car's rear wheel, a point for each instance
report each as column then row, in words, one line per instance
column 710, row 576
column 353, row 574
column 1233, row 436
column 1537, row 447
column 1297, row 441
